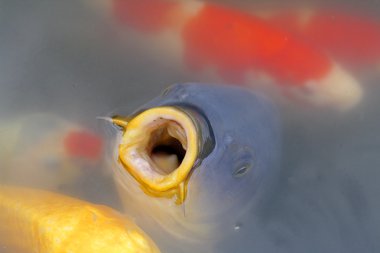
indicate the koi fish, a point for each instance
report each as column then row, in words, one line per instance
column 354, row 39
column 190, row 166
column 46, row 151
column 240, row 48
column 83, row 144
column 39, row 221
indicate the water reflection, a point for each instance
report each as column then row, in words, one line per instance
column 78, row 60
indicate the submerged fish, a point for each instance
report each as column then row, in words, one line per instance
column 46, row 151
column 195, row 160
column 45, row 222
column 238, row 47
column 352, row 38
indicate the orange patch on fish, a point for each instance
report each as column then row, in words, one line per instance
column 236, row 42
column 349, row 37
column 83, row 144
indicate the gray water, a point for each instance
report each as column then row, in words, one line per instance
column 65, row 59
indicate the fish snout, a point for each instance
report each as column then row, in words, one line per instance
column 159, row 148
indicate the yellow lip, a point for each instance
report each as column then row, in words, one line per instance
column 166, row 127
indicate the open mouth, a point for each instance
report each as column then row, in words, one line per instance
column 167, row 146
column 159, row 148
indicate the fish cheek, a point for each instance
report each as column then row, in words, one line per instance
column 241, row 177
column 227, row 180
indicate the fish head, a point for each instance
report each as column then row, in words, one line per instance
column 195, row 157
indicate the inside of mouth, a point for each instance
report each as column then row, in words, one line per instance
column 167, row 146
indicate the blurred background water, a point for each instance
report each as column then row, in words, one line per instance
column 65, row 58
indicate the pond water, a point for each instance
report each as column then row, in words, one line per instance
column 64, row 64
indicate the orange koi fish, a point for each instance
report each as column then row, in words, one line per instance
column 83, row 144
column 240, row 48
column 349, row 37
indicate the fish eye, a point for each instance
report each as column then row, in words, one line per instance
column 243, row 162
column 242, row 170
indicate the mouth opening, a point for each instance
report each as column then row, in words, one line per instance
column 159, row 148
column 167, row 147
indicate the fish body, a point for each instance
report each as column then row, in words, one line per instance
column 349, row 37
column 227, row 142
column 232, row 46
column 46, row 151
column 40, row 221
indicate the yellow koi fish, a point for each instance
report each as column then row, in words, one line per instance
column 44, row 222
